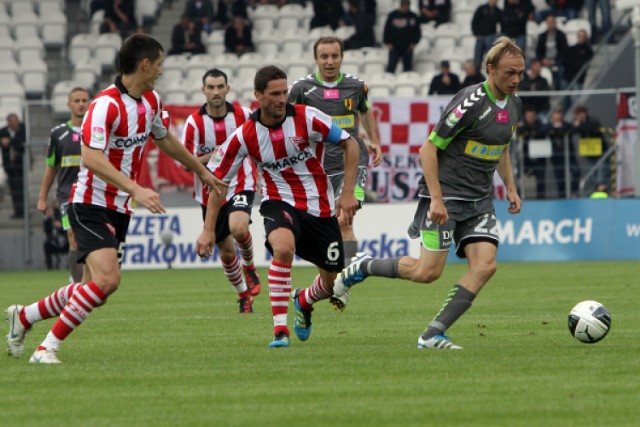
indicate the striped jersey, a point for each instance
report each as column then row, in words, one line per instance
column 342, row 100
column 288, row 156
column 119, row 125
column 473, row 133
column 203, row 133
column 63, row 154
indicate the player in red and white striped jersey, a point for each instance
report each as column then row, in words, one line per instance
column 205, row 129
column 114, row 132
column 287, row 142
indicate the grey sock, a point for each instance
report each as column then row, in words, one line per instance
column 387, row 267
column 350, row 248
column 457, row 303
column 75, row 269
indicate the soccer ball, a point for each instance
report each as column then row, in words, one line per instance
column 589, row 321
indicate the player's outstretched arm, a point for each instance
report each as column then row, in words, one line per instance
column 207, row 238
column 370, row 126
column 47, row 181
column 347, row 203
column 96, row 162
column 170, row 145
column 506, row 174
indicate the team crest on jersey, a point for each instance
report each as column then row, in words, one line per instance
column 454, row 117
column 348, row 103
column 97, row 133
column 300, row 142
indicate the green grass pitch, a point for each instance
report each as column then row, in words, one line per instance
column 170, row 349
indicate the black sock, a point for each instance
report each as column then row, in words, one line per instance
column 457, row 303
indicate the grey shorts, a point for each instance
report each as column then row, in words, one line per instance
column 359, row 190
column 468, row 222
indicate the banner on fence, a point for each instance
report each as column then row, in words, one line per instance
column 569, row 230
column 625, row 140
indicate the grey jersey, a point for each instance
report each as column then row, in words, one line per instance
column 342, row 102
column 64, row 154
column 472, row 135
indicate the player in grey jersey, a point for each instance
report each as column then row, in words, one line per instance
column 63, row 161
column 469, row 143
column 344, row 98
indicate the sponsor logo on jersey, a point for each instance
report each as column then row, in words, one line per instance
column 502, row 116
column 97, row 133
column 331, row 94
column 139, row 139
column 219, row 126
column 485, row 152
column 483, row 115
column 345, row 122
column 288, row 162
column 308, row 92
column 70, row 161
column 300, row 142
column 75, row 137
column 142, row 110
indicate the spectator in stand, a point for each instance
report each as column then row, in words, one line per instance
column 119, row 17
column 551, row 49
column 348, row 19
column 202, row 13
column 559, row 132
column 576, row 56
column 438, row 11
column 529, row 129
column 472, row 76
column 237, row 38
column 401, row 35
column 568, row 9
column 445, row 83
column 326, row 13
column 13, row 139
column 605, row 10
column 532, row 82
column 515, row 15
column 186, row 37
column 484, row 26
column 592, row 142
column 365, row 21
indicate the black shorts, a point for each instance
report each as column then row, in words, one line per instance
column 96, row 227
column 317, row 240
column 243, row 201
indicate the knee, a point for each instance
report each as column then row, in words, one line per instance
column 239, row 230
column 108, row 284
column 283, row 252
column 426, row 274
column 227, row 256
column 486, row 270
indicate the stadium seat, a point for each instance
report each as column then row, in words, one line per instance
column 146, row 11
column 467, row 44
column 105, row 50
column 289, row 17
column 48, row 7
column 571, row 28
column 9, row 70
column 96, row 20
column 374, row 61
column 60, row 98
column 215, row 42
column 345, row 32
column 297, row 71
column 7, row 47
column 34, row 77
column 177, row 98
column 30, row 47
column 263, row 19
column 405, row 90
column 11, row 91
column 53, row 29
column 293, row 43
column 81, row 47
column 21, row 7
column 86, row 72
column 268, row 44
